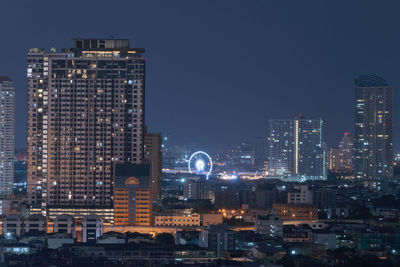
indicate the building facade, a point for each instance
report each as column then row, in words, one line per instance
column 196, row 190
column 300, row 195
column 340, row 159
column 192, row 219
column 296, row 211
column 373, row 145
column 7, row 117
column 296, row 149
column 85, row 113
column 132, row 195
column 153, row 153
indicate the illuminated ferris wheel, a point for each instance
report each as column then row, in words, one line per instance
column 200, row 163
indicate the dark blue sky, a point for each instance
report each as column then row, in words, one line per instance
column 218, row 70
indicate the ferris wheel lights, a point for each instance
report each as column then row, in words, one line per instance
column 200, row 163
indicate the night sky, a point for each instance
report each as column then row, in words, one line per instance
column 218, row 70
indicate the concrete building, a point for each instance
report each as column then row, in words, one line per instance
column 324, row 198
column 300, row 195
column 211, row 219
column 85, row 113
column 92, row 228
column 153, row 153
column 13, row 226
column 296, row 149
column 7, row 121
column 57, row 240
column 64, row 224
column 270, row 225
column 373, row 144
column 296, row 211
column 226, row 198
column 192, row 219
column 217, row 238
column 35, row 223
column 132, row 195
column 265, row 196
column 5, row 207
column 196, row 189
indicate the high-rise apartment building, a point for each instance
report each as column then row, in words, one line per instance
column 7, row 102
column 373, row 145
column 85, row 114
column 153, row 153
column 296, row 149
column 340, row 159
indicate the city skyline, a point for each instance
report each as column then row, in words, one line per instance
column 275, row 67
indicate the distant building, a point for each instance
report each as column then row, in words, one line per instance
column 270, row 225
column 7, row 121
column 132, row 195
column 300, row 195
column 211, row 219
column 217, row 238
column 296, row 149
column 324, row 198
column 243, row 155
column 192, row 219
column 196, row 190
column 265, row 196
column 260, row 152
column 373, row 144
column 225, row 197
column 153, row 153
column 341, row 159
column 296, row 211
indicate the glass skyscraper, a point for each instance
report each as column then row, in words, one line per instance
column 373, row 145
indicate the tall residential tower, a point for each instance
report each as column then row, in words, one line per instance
column 85, row 114
column 7, row 102
column 296, row 149
column 373, row 145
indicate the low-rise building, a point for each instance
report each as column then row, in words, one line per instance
column 211, row 219
column 35, row 223
column 218, row 238
column 192, row 219
column 300, row 195
column 92, row 228
column 268, row 253
column 296, row 211
column 13, row 226
column 64, row 224
column 270, row 225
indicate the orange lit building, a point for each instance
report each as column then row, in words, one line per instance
column 132, row 195
column 296, row 211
